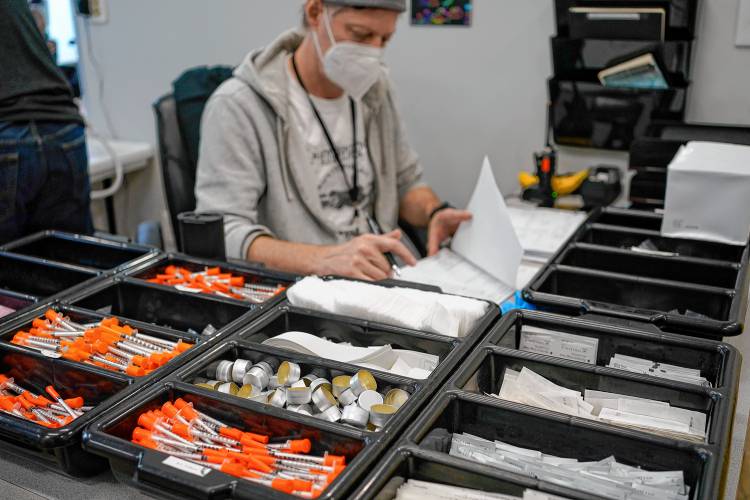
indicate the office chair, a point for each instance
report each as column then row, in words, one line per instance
column 178, row 115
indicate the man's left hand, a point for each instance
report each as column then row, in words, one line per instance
column 443, row 226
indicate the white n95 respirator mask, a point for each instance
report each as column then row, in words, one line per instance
column 355, row 67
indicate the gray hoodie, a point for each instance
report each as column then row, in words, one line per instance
column 244, row 170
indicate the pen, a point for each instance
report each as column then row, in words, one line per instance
column 375, row 228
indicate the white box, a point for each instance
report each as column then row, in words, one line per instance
column 708, row 193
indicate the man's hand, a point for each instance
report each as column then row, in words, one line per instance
column 443, row 226
column 363, row 258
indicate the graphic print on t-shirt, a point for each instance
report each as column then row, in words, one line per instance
column 310, row 147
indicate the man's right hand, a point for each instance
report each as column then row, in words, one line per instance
column 363, row 258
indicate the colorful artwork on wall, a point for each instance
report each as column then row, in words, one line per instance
column 441, row 12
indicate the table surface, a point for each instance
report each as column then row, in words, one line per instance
column 26, row 479
column 133, row 155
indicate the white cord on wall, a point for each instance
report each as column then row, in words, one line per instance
column 119, row 169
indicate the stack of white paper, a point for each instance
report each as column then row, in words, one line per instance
column 407, row 307
column 411, row 364
column 542, row 231
column 420, row 490
column 606, row 478
column 661, row 370
column 657, row 417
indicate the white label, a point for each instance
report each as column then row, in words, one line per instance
column 559, row 344
column 50, row 354
column 185, row 466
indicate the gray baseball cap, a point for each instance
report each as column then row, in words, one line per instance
column 397, row 5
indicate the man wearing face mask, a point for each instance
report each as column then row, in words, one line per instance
column 305, row 154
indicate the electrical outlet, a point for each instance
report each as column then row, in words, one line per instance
column 99, row 11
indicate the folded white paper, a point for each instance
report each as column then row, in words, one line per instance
column 415, row 309
column 606, row 478
column 658, row 417
column 411, row 364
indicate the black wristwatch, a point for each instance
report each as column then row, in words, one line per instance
column 440, row 207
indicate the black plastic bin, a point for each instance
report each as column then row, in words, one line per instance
column 79, row 250
column 409, row 462
column 40, row 279
column 16, row 302
column 555, row 434
column 61, row 446
column 483, row 374
column 234, row 349
column 682, row 286
column 149, row 303
column 145, row 469
column 252, row 274
column 64, row 446
column 719, row 363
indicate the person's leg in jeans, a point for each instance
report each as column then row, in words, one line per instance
column 52, row 190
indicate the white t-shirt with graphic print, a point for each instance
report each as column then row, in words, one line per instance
column 332, row 187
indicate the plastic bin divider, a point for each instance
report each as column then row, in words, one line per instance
column 39, row 278
column 565, row 436
column 717, row 362
column 622, row 261
column 110, row 437
column 84, row 251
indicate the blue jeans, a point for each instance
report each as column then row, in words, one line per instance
column 44, row 180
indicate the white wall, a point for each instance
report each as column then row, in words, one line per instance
column 464, row 92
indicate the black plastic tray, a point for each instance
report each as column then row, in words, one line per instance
column 63, row 446
column 39, row 279
column 237, row 349
column 483, row 374
column 680, row 25
column 689, row 287
column 142, row 468
column 83, row 251
column 410, row 462
column 149, row 303
column 16, row 301
column 252, row 274
column 564, row 436
column 719, row 363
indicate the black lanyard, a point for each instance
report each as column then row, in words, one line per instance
column 353, row 189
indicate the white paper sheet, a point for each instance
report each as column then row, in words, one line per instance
column 489, row 241
column 456, row 275
column 542, row 231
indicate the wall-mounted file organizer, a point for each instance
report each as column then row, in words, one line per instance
column 587, row 114
column 680, row 17
column 594, row 35
column 618, row 265
column 583, row 59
